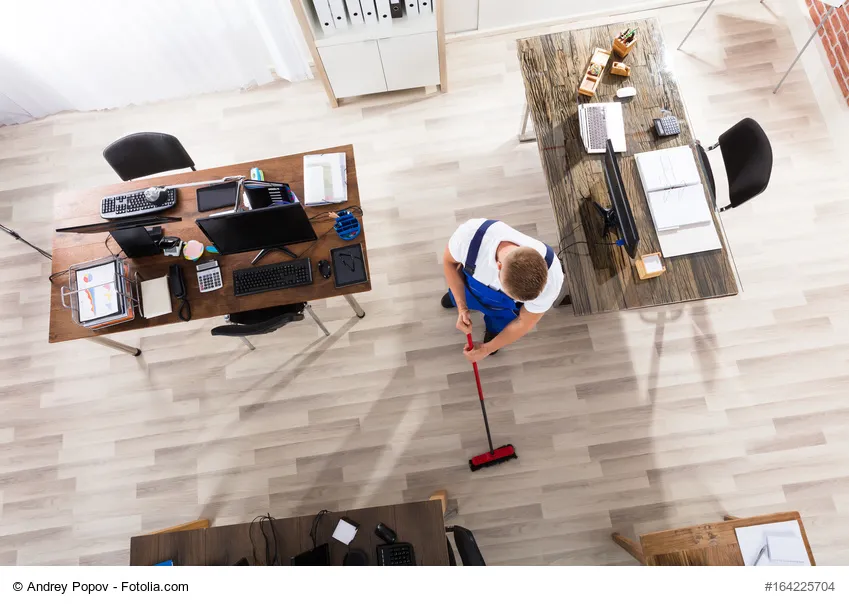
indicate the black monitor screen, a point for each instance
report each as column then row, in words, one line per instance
column 257, row 229
column 619, row 201
column 221, row 195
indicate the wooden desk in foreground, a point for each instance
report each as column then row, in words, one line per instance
column 420, row 524
column 83, row 208
column 713, row 544
column 601, row 277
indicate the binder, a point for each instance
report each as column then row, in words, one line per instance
column 325, row 19
column 426, row 6
column 384, row 15
column 337, row 9
column 396, row 8
column 355, row 12
column 412, row 8
column 369, row 12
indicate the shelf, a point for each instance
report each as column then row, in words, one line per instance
column 404, row 26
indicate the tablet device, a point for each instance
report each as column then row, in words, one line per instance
column 349, row 267
column 220, row 195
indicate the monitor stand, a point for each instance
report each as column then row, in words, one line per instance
column 611, row 222
column 265, row 251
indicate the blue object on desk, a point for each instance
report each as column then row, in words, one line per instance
column 165, row 563
column 347, row 227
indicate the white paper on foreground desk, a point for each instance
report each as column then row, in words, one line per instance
column 753, row 538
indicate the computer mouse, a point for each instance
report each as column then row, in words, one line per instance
column 324, row 269
column 626, row 92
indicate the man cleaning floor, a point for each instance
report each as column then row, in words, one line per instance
column 511, row 278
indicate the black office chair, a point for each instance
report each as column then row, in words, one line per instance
column 747, row 154
column 245, row 324
column 144, row 154
column 470, row 553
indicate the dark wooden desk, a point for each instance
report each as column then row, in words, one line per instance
column 84, row 207
column 418, row 523
column 606, row 280
column 713, row 544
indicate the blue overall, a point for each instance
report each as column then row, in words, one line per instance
column 498, row 309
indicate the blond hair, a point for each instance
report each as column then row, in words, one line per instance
column 524, row 273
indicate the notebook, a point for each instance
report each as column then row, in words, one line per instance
column 679, row 207
column 325, row 179
column 667, row 168
column 783, row 542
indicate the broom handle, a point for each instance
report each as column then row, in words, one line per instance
column 480, row 394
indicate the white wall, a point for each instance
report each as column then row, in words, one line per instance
column 484, row 15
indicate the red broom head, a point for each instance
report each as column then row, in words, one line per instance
column 488, row 459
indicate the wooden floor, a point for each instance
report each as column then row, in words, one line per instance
column 634, row 421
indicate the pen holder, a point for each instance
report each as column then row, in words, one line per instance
column 622, row 49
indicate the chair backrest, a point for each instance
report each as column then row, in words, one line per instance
column 747, row 154
column 144, row 154
column 467, row 547
column 260, row 321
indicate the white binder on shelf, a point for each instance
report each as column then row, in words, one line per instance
column 369, row 12
column 355, row 12
column 337, row 9
column 426, row 6
column 325, row 19
column 412, row 8
column 384, row 14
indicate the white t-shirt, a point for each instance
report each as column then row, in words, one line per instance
column 486, row 268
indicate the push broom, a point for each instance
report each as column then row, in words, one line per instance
column 495, row 456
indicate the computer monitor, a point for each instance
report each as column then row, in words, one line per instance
column 619, row 216
column 96, row 228
column 263, row 228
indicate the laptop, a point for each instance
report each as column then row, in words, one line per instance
column 600, row 122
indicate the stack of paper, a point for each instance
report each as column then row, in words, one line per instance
column 776, row 544
column 102, row 296
column 325, row 179
column 677, row 202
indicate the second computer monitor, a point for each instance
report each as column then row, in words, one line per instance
column 621, row 208
column 270, row 227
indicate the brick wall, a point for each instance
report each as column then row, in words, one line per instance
column 835, row 39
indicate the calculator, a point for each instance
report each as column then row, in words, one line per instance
column 209, row 276
column 667, row 126
column 396, row 554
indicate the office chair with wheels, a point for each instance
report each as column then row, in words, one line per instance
column 144, row 154
column 470, row 553
column 747, row 155
column 245, row 324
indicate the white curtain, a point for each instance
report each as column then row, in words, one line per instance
column 60, row 55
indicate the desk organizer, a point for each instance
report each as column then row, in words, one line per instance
column 625, row 41
column 120, row 287
column 594, row 72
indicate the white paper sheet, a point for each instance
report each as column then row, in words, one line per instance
column 752, row 538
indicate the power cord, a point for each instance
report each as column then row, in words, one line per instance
column 271, row 558
column 185, row 310
column 315, row 523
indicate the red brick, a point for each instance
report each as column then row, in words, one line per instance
column 832, row 60
column 844, row 43
column 814, row 16
column 817, row 8
column 841, row 57
column 843, row 17
column 844, row 88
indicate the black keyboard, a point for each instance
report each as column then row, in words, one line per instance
column 288, row 274
column 396, row 554
column 133, row 203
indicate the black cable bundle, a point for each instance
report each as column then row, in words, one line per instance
column 271, row 559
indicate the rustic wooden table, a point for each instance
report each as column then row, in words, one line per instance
column 601, row 277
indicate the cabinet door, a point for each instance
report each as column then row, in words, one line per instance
column 353, row 69
column 410, row 61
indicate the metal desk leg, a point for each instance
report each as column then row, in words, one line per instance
column 707, row 8
column 355, row 306
column 799, row 55
column 248, row 343
column 523, row 132
column 107, row 342
column 317, row 321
